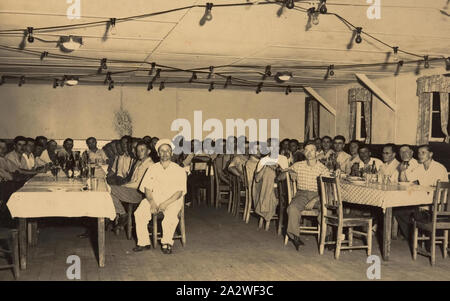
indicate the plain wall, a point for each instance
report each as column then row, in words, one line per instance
column 82, row 111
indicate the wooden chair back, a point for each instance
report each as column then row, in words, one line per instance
column 441, row 204
column 331, row 198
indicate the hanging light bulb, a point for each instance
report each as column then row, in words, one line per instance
column 161, row 86
column 150, row 86
column 258, row 89
column 158, row 73
column 315, row 18
column 323, row 7
column 21, row 81
column 447, row 64
column 289, row 4
column 152, row 69
column 193, row 77
column 208, row 15
column 30, row 38
column 288, row 90
column 227, row 82
column 112, row 26
column 399, row 66
column 44, row 54
column 395, row 48
column 358, row 35
column 111, row 85
column 427, row 63
column 107, row 78
column 55, row 83
column 267, row 72
column 211, row 86
column 211, row 71
column 331, row 70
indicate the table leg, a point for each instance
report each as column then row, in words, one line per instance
column 387, row 233
column 101, row 242
column 23, row 242
column 32, row 233
column 211, row 190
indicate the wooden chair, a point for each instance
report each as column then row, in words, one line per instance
column 307, row 213
column 220, row 188
column 237, row 187
column 12, row 238
column 437, row 219
column 277, row 217
column 156, row 235
column 248, row 208
column 201, row 181
column 333, row 215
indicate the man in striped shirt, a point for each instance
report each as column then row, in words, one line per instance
column 306, row 174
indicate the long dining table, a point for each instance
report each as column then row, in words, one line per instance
column 46, row 196
column 386, row 197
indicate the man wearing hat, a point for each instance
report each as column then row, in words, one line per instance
column 164, row 186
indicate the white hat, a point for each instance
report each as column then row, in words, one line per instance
column 164, row 141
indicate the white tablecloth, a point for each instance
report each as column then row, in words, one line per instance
column 386, row 196
column 42, row 196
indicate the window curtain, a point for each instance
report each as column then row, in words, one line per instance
column 425, row 87
column 364, row 95
column 312, row 119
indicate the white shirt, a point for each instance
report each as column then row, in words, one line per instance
column 390, row 169
column 29, row 160
column 413, row 164
column 435, row 172
column 378, row 163
column 268, row 160
column 163, row 183
column 342, row 158
column 121, row 165
column 349, row 163
column 43, row 159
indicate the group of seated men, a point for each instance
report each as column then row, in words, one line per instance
column 150, row 169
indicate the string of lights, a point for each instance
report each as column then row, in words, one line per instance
column 313, row 13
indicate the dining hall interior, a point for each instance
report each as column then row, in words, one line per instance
column 229, row 140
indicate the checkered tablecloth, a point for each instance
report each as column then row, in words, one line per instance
column 385, row 196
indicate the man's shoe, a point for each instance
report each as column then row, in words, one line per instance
column 142, row 248
column 166, row 249
column 297, row 242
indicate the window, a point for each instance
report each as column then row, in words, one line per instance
column 360, row 127
column 435, row 120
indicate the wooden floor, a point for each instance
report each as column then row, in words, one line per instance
column 219, row 247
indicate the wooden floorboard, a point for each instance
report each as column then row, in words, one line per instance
column 219, row 247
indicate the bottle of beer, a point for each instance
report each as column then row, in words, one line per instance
column 374, row 168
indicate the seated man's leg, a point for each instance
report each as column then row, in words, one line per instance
column 403, row 216
column 142, row 217
column 294, row 210
column 170, row 222
column 116, row 194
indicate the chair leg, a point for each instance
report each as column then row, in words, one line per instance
column 369, row 238
column 350, row 238
column 230, row 200
column 155, row 230
column 286, row 239
column 433, row 247
column 260, row 224
column 445, row 243
column 183, row 230
column 267, row 225
column 280, row 217
column 15, row 254
column 323, row 234
column 338, row 242
column 415, row 241
column 130, row 221
column 249, row 209
column 244, row 215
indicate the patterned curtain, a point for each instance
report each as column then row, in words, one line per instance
column 444, row 115
column 312, row 119
column 425, row 87
column 355, row 95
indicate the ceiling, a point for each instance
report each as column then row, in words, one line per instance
column 251, row 37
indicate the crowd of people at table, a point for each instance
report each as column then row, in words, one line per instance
column 150, row 169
